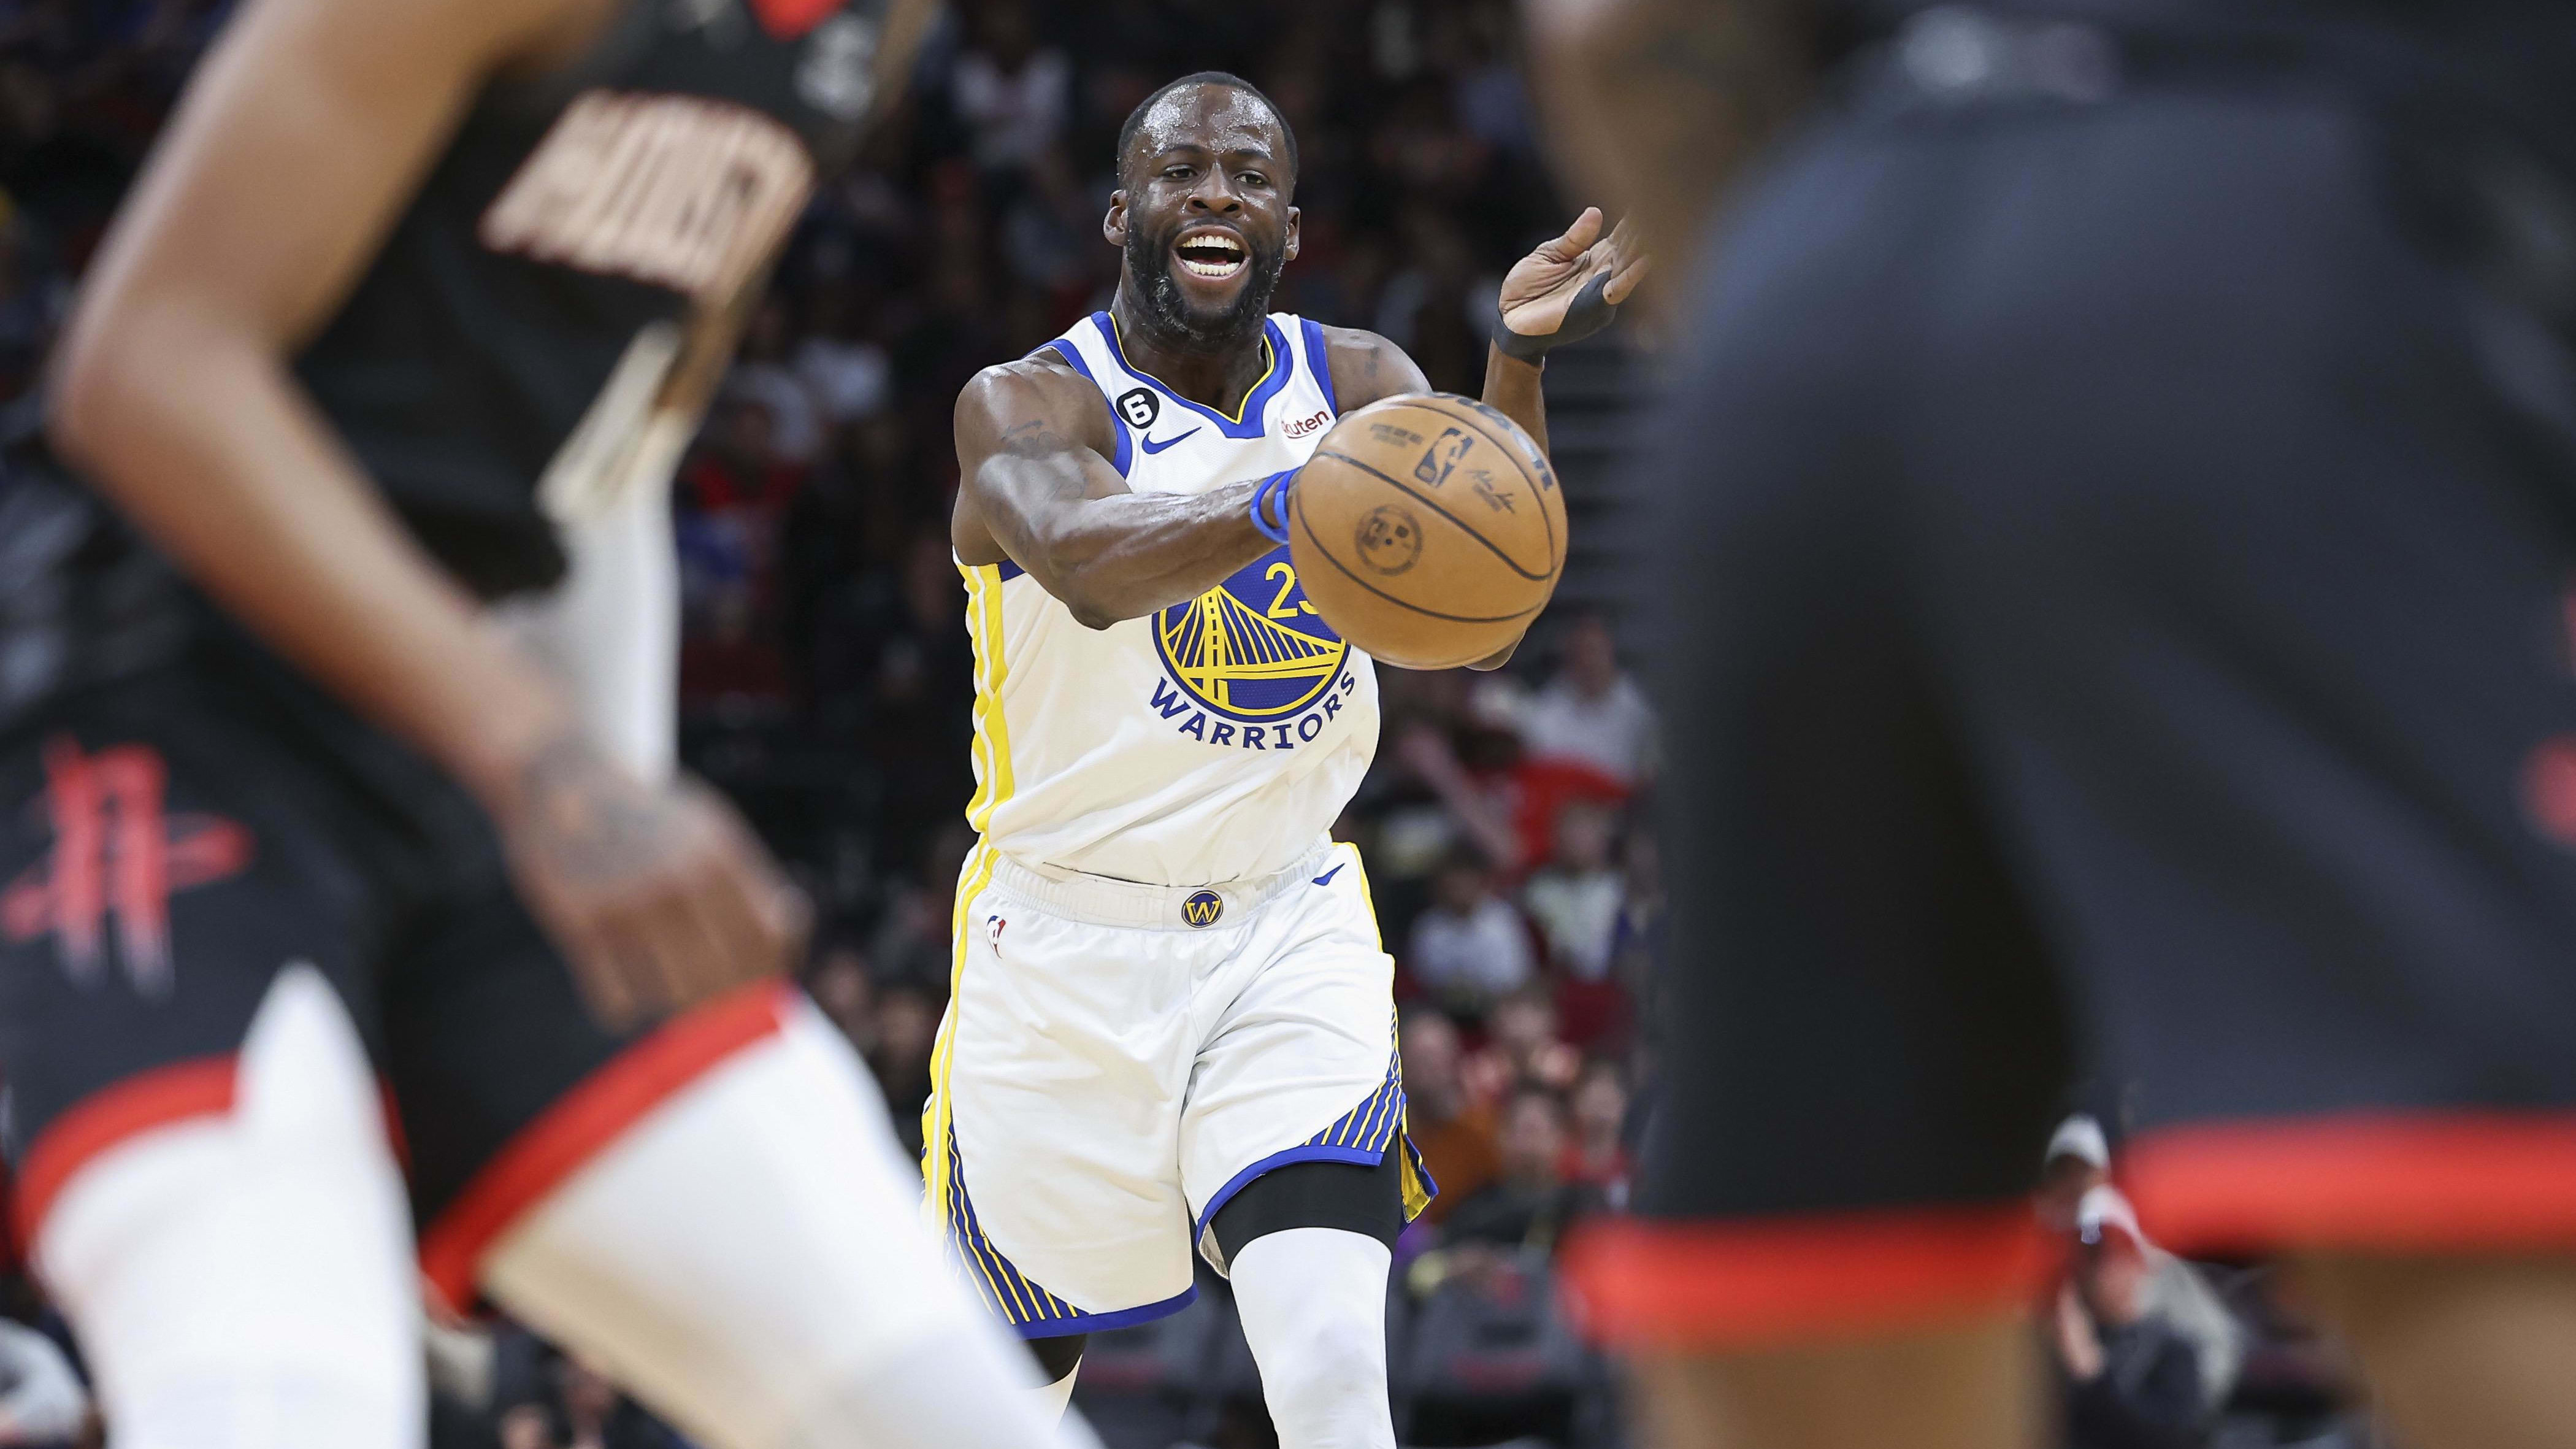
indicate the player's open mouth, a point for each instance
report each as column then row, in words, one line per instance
column 1209, row 253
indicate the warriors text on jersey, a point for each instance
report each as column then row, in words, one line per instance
column 1213, row 740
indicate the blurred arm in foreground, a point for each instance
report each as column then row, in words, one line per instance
column 1654, row 104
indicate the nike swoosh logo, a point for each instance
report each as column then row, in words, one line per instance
column 1152, row 447
column 1327, row 877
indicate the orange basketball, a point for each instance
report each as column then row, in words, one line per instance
column 1427, row 530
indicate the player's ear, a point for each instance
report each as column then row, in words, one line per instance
column 1114, row 225
column 1296, row 220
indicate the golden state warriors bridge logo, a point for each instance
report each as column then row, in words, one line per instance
column 1251, row 651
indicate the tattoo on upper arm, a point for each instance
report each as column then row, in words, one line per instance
column 1035, row 438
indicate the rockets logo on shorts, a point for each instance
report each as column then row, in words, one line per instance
column 115, row 858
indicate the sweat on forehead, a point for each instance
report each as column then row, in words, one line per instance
column 1219, row 111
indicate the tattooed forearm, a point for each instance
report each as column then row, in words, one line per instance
column 1037, row 488
column 584, row 818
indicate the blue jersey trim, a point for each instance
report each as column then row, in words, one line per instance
column 1108, row 1322
column 1255, row 404
column 1360, row 1137
column 1302, row 1152
column 1117, row 424
column 995, row 1279
column 1009, row 570
column 1319, row 363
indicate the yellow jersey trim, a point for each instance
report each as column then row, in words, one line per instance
column 992, row 746
column 937, row 1110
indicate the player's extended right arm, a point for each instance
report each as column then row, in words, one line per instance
column 1035, row 485
column 300, row 139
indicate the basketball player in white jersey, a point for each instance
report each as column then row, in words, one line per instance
column 1171, row 1026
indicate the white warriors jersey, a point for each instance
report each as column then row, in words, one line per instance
column 1212, row 741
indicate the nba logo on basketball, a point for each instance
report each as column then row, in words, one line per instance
column 1202, row 909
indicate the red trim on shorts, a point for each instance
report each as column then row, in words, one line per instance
column 788, row 19
column 107, row 1117
column 2446, row 1181
column 1650, row 1283
column 585, row 1119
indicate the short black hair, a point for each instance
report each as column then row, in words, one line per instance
column 1226, row 78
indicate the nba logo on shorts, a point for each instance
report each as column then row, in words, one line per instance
column 1202, row 909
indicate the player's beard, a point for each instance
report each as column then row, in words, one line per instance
column 1150, row 263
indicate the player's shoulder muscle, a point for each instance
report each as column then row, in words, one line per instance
column 1367, row 367
column 1037, row 403
column 1035, row 408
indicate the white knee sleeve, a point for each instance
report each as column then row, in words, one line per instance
column 245, row 1281
column 748, row 1259
column 1313, row 1302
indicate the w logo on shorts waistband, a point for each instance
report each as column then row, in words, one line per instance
column 115, row 857
column 1202, row 909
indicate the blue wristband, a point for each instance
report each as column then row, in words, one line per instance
column 1272, row 496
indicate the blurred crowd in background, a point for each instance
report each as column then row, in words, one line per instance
column 826, row 683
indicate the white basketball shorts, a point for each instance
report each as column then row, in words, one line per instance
column 1119, row 1060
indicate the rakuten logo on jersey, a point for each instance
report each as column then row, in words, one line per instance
column 1302, row 426
column 679, row 191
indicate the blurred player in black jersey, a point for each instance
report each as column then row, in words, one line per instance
column 2118, row 537
column 308, row 870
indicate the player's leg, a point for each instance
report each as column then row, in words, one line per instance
column 243, row 1280
column 714, row 1210
column 1968, row 1385
column 749, row 1255
column 2462, row 1353
column 1307, row 1247
column 1294, row 1151
column 207, row 1188
column 1059, row 1360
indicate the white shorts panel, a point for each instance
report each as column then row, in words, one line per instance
column 1308, row 1036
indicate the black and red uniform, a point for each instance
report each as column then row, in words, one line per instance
column 182, row 813
column 2119, row 527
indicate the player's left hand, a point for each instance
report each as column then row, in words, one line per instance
column 1569, row 288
